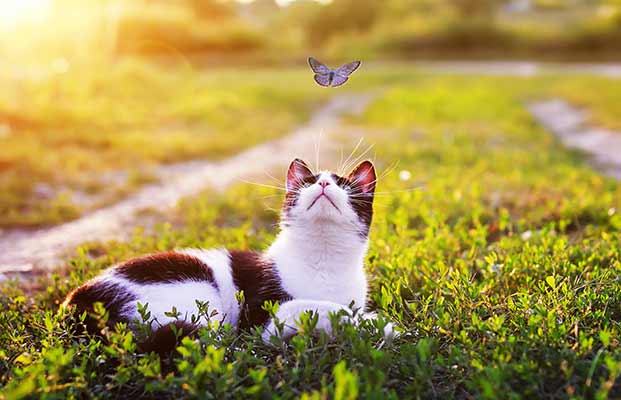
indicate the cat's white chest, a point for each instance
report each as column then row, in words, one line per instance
column 317, row 264
column 321, row 284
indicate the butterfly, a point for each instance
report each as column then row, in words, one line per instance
column 329, row 77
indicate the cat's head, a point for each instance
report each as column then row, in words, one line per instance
column 325, row 197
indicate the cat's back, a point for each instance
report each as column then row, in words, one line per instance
column 161, row 281
column 179, row 279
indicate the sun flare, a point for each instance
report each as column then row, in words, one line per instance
column 15, row 12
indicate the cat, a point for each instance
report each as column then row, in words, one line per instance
column 314, row 264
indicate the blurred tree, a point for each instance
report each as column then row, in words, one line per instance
column 302, row 11
column 404, row 7
column 476, row 8
column 290, row 27
column 264, row 7
column 258, row 12
column 341, row 16
column 615, row 11
column 212, row 9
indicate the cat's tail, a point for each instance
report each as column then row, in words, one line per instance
column 165, row 339
column 79, row 306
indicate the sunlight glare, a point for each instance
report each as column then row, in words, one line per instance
column 15, row 12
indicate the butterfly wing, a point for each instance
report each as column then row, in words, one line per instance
column 323, row 79
column 338, row 80
column 348, row 69
column 318, row 67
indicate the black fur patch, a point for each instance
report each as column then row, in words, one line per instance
column 362, row 203
column 291, row 197
column 164, row 340
column 113, row 296
column 259, row 281
column 165, row 268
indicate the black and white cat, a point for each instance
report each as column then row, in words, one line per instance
column 315, row 264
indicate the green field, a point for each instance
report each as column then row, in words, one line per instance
column 73, row 132
column 91, row 135
column 500, row 269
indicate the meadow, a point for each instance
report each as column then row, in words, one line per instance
column 495, row 250
column 88, row 134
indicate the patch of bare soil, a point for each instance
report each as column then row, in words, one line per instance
column 570, row 125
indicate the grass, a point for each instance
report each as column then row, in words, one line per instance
column 68, row 131
column 501, row 270
column 90, row 135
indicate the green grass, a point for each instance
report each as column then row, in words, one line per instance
column 95, row 132
column 601, row 96
column 65, row 130
column 501, row 270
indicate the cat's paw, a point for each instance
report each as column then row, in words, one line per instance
column 283, row 332
column 390, row 333
column 389, row 329
column 289, row 315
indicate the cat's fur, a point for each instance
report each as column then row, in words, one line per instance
column 315, row 264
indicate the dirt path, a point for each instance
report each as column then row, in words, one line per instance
column 492, row 67
column 570, row 125
column 520, row 68
column 21, row 251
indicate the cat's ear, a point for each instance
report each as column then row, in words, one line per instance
column 297, row 174
column 363, row 177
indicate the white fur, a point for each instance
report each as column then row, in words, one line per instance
column 161, row 297
column 220, row 263
column 289, row 313
column 333, row 273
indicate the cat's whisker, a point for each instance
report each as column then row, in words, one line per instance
column 406, row 190
column 274, row 179
column 360, row 156
column 270, row 196
column 263, row 185
column 389, row 170
column 272, row 209
column 376, row 204
column 355, row 160
column 317, row 150
column 392, row 192
column 361, row 200
column 342, row 169
column 382, row 176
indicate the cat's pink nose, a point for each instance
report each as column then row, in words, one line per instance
column 323, row 184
